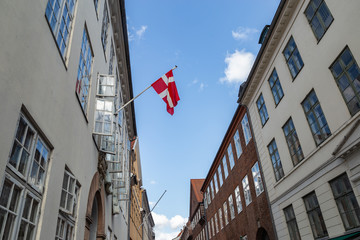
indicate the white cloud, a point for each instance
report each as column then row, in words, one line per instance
column 153, row 182
column 242, row 33
column 140, row 32
column 177, row 222
column 134, row 33
column 201, row 85
column 166, row 228
column 238, row 67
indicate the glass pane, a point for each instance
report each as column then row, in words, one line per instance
column 27, row 207
column 15, row 154
column 29, row 137
column 21, row 130
column 346, row 57
column 23, row 162
column 9, row 227
column 336, row 69
column 15, row 198
column 63, row 199
column 5, row 193
column 34, row 210
column 65, row 181
column 21, row 235
column 30, row 232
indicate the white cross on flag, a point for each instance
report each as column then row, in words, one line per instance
column 166, row 88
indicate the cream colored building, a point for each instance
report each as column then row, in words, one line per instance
column 64, row 169
column 303, row 97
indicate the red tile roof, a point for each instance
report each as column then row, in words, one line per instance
column 196, row 186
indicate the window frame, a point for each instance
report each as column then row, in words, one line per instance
column 247, row 192
column 292, row 131
column 238, row 199
column 225, row 213
column 314, row 213
column 276, row 161
column 105, row 27
column 276, row 87
column 237, row 142
column 291, row 223
column 246, row 129
column 312, row 109
column 225, row 166
column 319, row 17
column 231, row 156
column 79, row 87
column 290, row 58
column 345, row 72
column 262, row 110
column 258, row 183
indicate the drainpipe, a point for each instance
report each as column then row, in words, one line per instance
column 260, row 166
column 129, row 209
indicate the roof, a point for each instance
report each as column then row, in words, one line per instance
column 196, row 185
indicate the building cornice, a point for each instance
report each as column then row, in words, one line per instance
column 277, row 28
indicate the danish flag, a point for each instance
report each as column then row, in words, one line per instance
column 166, row 88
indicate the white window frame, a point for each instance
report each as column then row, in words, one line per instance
column 105, row 85
column 238, row 200
column 220, row 218
column 231, row 156
column 220, row 175
column 226, row 169
column 104, row 116
column 69, row 191
column 246, row 129
column 247, row 193
column 225, row 213
column 231, row 206
column 215, row 183
column 216, row 223
column 259, row 187
column 237, row 144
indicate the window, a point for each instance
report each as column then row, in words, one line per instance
column 112, row 56
column 106, row 86
column 220, row 175
column 104, row 117
column 212, row 226
column 346, row 202
column 237, row 144
column 209, row 228
column 231, row 156
column 246, row 128
column 20, row 199
column 259, row 187
column 275, row 159
column 319, row 17
column 291, row 223
column 315, row 117
column 293, row 142
column 231, row 206
column 220, row 218
column 208, row 194
column 96, row 4
column 275, row 86
column 226, row 172
column 238, row 199
column 205, row 200
column 60, row 16
column 262, row 110
column 105, row 26
column 84, row 72
column 315, row 217
column 216, row 223
column 246, row 187
column 347, row 76
column 293, row 58
column 212, row 189
column 216, row 183
column 69, row 193
column 225, row 213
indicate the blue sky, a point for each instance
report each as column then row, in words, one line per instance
column 214, row 44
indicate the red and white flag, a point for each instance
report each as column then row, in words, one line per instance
column 166, row 88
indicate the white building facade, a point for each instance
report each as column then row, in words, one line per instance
column 64, row 169
column 303, row 98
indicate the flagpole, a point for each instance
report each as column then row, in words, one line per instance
column 131, row 100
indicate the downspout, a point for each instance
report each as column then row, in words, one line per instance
column 260, row 166
column 129, row 209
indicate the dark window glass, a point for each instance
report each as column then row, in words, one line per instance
column 293, row 142
column 315, row 216
column 276, row 88
column 347, row 76
column 293, row 58
column 291, row 223
column 262, row 110
column 319, row 17
column 275, row 159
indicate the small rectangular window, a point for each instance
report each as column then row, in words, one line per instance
column 225, row 213
column 346, row 73
column 216, row 223
column 275, row 86
column 246, row 128
column 259, row 187
column 84, row 72
column 104, row 113
column 246, row 187
column 260, row 103
column 316, row 118
column 315, row 216
column 275, row 159
column 231, row 156
column 220, row 218
column 215, row 183
column 319, row 17
column 346, row 202
column 105, row 26
column 224, row 162
column 220, row 176
column 293, row 58
column 60, row 16
column 293, row 142
column 231, row 206
column 291, row 223
column 238, row 199
column 237, row 144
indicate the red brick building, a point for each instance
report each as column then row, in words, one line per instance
column 235, row 200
